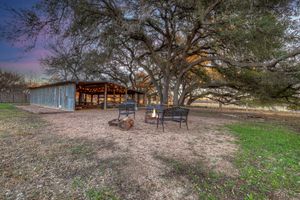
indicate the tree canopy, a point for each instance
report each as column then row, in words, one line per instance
column 229, row 50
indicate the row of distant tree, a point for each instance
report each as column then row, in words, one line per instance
column 13, row 88
column 10, row 82
column 227, row 50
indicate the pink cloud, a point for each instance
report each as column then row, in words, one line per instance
column 22, row 66
column 39, row 53
column 35, row 54
column 28, row 62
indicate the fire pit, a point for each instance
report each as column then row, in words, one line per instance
column 152, row 113
column 151, row 117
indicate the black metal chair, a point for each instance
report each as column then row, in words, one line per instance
column 175, row 114
column 127, row 108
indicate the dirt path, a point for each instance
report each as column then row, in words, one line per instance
column 137, row 150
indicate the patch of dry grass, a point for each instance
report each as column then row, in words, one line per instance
column 36, row 164
column 78, row 156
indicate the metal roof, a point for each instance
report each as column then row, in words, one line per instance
column 53, row 84
column 82, row 83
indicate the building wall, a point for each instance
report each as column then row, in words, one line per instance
column 62, row 96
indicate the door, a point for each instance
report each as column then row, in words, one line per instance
column 59, row 97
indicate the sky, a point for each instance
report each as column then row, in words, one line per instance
column 13, row 57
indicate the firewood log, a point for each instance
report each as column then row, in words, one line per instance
column 114, row 122
column 126, row 123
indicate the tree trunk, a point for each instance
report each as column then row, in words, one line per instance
column 176, row 94
column 220, row 105
column 148, row 100
column 176, row 99
column 190, row 101
column 182, row 100
column 165, row 90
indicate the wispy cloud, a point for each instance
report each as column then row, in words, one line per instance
column 13, row 56
column 24, row 62
column 22, row 67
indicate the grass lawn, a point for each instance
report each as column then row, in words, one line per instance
column 268, row 162
column 6, row 106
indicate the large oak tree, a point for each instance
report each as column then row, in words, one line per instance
column 228, row 49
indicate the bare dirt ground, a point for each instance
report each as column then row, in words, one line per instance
column 205, row 140
column 40, row 110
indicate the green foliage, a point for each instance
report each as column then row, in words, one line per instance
column 252, row 29
column 257, row 38
column 294, row 107
column 265, row 87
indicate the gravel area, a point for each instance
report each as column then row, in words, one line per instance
column 205, row 141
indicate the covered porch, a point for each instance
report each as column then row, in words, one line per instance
column 104, row 95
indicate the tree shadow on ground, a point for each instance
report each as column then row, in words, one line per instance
column 37, row 164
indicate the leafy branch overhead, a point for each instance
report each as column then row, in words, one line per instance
column 222, row 49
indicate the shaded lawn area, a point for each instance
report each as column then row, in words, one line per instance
column 268, row 164
column 36, row 164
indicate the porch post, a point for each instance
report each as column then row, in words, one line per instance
column 80, row 98
column 105, row 96
column 114, row 95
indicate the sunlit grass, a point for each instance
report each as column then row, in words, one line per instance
column 269, row 159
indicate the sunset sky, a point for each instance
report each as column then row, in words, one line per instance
column 13, row 57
